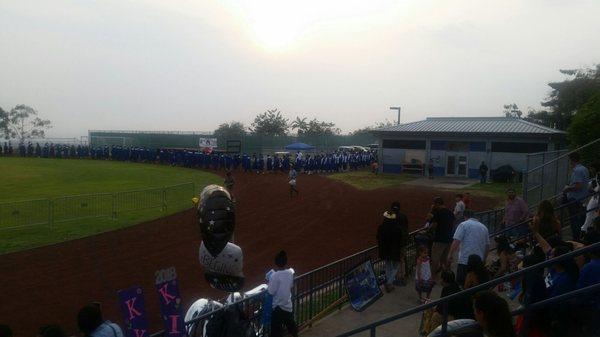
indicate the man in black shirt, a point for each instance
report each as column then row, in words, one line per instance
column 441, row 221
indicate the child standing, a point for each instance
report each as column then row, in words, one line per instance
column 423, row 281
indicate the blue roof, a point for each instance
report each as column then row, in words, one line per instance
column 299, row 147
column 493, row 125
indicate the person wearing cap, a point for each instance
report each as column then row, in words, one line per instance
column 392, row 237
column 441, row 221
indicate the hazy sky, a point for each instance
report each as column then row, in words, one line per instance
column 191, row 65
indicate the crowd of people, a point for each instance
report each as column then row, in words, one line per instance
column 525, row 240
column 324, row 162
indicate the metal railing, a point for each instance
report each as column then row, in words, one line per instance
column 21, row 214
column 548, row 172
column 372, row 327
column 322, row 290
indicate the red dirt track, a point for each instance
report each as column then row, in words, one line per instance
column 329, row 220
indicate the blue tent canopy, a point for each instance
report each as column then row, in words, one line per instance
column 299, row 147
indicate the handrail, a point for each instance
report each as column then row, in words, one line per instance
column 564, row 155
column 470, row 291
column 561, row 207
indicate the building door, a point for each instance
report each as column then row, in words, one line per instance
column 457, row 164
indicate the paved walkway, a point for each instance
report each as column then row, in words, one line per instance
column 402, row 298
column 443, row 182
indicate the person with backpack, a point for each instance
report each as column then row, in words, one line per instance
column 392, row 237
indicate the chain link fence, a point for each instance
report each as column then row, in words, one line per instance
column 21, row 214
column 547, row 173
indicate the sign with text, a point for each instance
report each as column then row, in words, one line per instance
column 208, row 142
column 167, row 289
column 362, row 287
column 133, row 309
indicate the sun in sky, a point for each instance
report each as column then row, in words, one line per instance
column 278, row 25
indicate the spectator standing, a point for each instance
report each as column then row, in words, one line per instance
column 467, row 200
column 516, row 211
column 471, row 237
column 533, row 289
column 229, row 182
column 483, row 170
column 430, row 169
column 492, row 313
column 575, row 193
column 592, row 204
column 545, row 222
column 442, row 223
column 91, row 323
column 292, row 181
column 423, row 279
column 392, row 236
column 280, row 287
column 459, row 209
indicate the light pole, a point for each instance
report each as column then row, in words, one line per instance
column 396, row 108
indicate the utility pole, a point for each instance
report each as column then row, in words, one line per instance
column 396, row 108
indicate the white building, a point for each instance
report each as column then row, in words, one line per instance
column 458, row 145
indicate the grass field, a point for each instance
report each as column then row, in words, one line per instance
column 34, row 178
column 496, row 189
column 365, row 180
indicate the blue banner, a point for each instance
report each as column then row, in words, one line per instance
column 133, row 309
column 362, row 286
column 167, row 289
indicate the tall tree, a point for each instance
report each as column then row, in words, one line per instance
column 585, row 126
column 270, row 123
column 232, row 130
column 368, row 129
column 314, row 127
column 300, row 125
column 512, row 110
column 22, row 122
column 567, row 97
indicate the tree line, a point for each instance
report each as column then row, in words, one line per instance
column 572, row 105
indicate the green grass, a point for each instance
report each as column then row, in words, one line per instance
column 365, row 180
column 495, row 189
column 34, row 178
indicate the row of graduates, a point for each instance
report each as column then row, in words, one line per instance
column 323, row 162
column 51, row 150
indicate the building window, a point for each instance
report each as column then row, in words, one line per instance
column 458, row 146
column 403, row 144
column 518, row 147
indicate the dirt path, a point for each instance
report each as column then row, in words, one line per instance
column 329, row 220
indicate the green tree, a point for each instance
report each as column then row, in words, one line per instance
column 232, row 130
column 512, row 110
column 22, row 122
column 585, row 126
column 300, row 125
column 314, row 127
column 368, row 129
column 270, row 123
column 567, row 97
